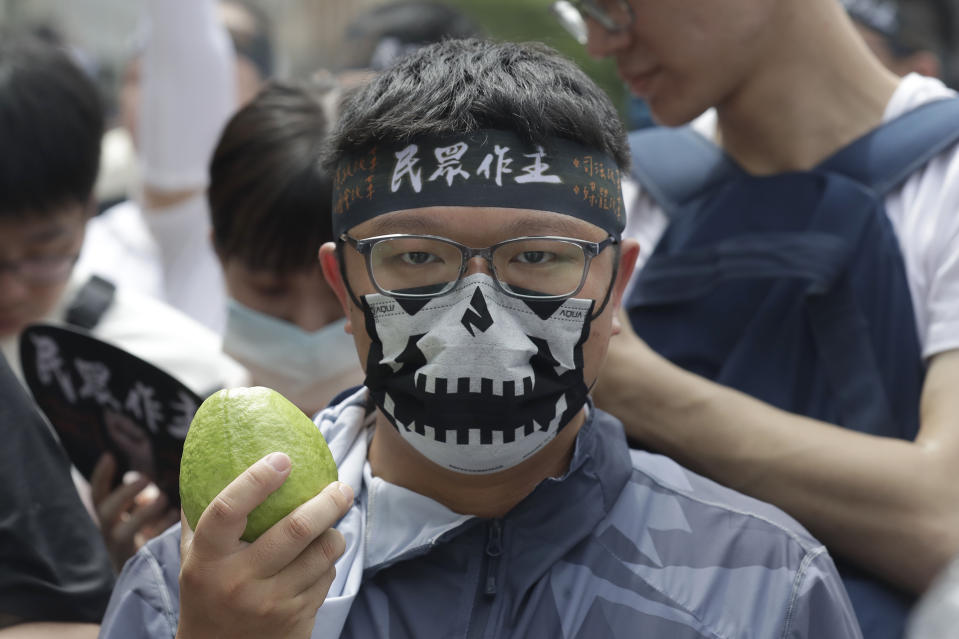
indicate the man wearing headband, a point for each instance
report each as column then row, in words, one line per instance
column 480, row 266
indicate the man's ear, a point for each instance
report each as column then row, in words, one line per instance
column 629, row 253
column 330, row 264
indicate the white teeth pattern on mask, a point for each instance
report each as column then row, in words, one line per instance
column 389, row 406
column 474, row 436
column 561, row 406
column 493, row 387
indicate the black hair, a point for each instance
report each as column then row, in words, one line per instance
column 270, row 199
column 459, row 86
column 51, row 124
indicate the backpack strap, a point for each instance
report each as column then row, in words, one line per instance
column 886, row 156
column 91, row 302
column 676, row 164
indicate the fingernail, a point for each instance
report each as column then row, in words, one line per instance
column 345, row 490
column 279, row 461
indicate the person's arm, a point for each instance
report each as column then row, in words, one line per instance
column 188, row 93
column 51, row 631
column 889, row 505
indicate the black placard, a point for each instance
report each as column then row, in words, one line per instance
column 101, row 398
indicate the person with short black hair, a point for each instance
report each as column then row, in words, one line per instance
column 54, row 564
column 733, row 368
column 479, row 262
column 270, row 206
column 51, row 122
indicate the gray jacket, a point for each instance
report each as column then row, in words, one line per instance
column 626, row 544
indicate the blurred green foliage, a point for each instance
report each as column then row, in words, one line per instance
column 524, row 20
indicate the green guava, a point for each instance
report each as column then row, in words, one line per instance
column 235, row 427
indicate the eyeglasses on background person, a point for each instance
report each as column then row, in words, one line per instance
column 612, row 15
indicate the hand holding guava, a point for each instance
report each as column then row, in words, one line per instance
column 273, row 585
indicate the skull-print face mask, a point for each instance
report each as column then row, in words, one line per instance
column 475, row 380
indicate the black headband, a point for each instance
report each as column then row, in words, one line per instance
column 490, row 168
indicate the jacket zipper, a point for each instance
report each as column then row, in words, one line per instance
column 494, row 548
column 486, row 586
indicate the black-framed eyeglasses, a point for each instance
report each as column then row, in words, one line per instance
column 612, row 15
column 424, row 266
column 42, row 270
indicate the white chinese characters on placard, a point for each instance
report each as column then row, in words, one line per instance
column 88, row 380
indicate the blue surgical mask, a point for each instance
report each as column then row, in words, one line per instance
column 306, row 367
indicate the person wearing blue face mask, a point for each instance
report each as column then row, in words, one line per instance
column 270, row 209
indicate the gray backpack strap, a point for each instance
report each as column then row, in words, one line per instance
column 91, row 302
column 674, row 165
column 886, row 156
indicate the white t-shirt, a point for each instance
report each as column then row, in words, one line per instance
column 924, row 214
column 166, row 254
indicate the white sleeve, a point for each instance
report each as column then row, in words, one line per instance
column 942, row 332
column 645, row 222
column 188, row 92
column 925, row 214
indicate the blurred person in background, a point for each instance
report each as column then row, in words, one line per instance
column 270, row 205
column 908, row 36
column 378, row 37
column 55, row 576
column 51, row 126
column 773, row 89
column 55, row 573
column 201, row 60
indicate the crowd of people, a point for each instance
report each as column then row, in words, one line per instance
column 693, row 376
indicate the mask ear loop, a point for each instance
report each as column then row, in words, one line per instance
column 341, row 258
column 602, row 307
column 612, row 282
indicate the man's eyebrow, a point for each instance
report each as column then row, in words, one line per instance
column 412, row 224
column 522, row 224
column 557, row 224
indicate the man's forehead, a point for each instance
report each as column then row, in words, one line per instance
column 464, row 221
